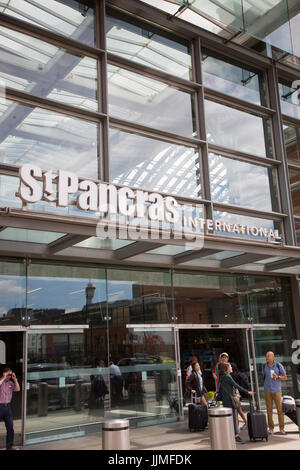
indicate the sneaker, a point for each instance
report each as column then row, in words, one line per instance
column 271, row 431
column 282, row 432
column 244, row 427
column 239, row 440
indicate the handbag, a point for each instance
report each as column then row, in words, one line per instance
column 236, row 402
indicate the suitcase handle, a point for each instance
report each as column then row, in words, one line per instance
column 195, row 399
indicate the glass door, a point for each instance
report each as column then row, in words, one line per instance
column 59, row 383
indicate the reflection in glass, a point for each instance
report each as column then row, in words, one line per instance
column 289, row 99
column 42, row 69
column 234, row 129
column 32, row 236
column 147, row 45
column 9, row 186
column 47, row 139
column 227, row 180
column 12, row 293
column 295, row 190
column 142, row 359
column 154, row 165
column 136, row 98
column 71, row 18
column 292, row 143
column 230, row 77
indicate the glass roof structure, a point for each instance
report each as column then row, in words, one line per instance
column 270, row 26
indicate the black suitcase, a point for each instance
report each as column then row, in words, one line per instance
column 198, row 417
column 257, row 424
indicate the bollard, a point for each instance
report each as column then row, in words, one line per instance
column 115, row 435
column 43, row 399
column 298, row 413
column 221, row 429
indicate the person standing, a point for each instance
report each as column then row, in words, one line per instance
column 228, row 391
column 273, row 374
column 8, row 384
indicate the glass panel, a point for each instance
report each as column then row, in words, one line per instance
column 9, row 186
column 34, row 236
column 71, row 18
column 148, row 45
column 268, row 21
column 42, row 137
column 289, row 100
column 153, row 164
column 142, row 361
column 136, row 98
column 103, row 243
column 230, row 77
column 41, row 69
column 67, row 390
column 170, row 250
column 231, row 128
column 64, row 365
column 242, row 222
column 227, row 181
column 279, row 341
column 292, row 143
column 295, row 190
column 12, row 293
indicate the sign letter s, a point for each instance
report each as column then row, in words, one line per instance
column 296, row 354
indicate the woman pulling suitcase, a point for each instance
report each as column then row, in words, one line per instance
column 228, row 394
column 198, row 416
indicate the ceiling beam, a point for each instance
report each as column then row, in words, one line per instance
column 135, row 249
column 193, row 255
column 64, row 242
column 244, row 258
column 287, row 263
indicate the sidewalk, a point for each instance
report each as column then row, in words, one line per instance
column 175, row 437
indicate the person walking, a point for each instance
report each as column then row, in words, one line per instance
column 240, row 378
column 194, row 383
column 273, row 375
column 8, row 384
column 228, row 392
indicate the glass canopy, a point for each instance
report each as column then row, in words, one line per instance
column 274, row 23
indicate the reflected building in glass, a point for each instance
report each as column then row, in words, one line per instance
column 181, row 109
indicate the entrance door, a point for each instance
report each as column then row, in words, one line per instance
column 11, row 355
column 207, row 345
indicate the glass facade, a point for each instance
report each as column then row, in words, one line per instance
column 117, row 98
column 93, row 324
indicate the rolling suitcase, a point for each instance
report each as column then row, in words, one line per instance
column 289, row 408
column 257, row 424
column 198, row 416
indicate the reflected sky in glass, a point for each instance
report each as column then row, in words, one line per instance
column 136, row 98
column 227, row 180
column 47, row 139
column 67, row 17
column 234, row 129
column 139, row 161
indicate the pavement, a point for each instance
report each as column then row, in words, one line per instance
column 175, row 437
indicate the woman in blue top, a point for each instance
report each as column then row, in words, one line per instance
column 228, row 386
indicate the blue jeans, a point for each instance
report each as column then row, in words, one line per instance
column 7, row 416
column 236, row 429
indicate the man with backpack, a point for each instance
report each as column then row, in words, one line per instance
column 273, row 374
